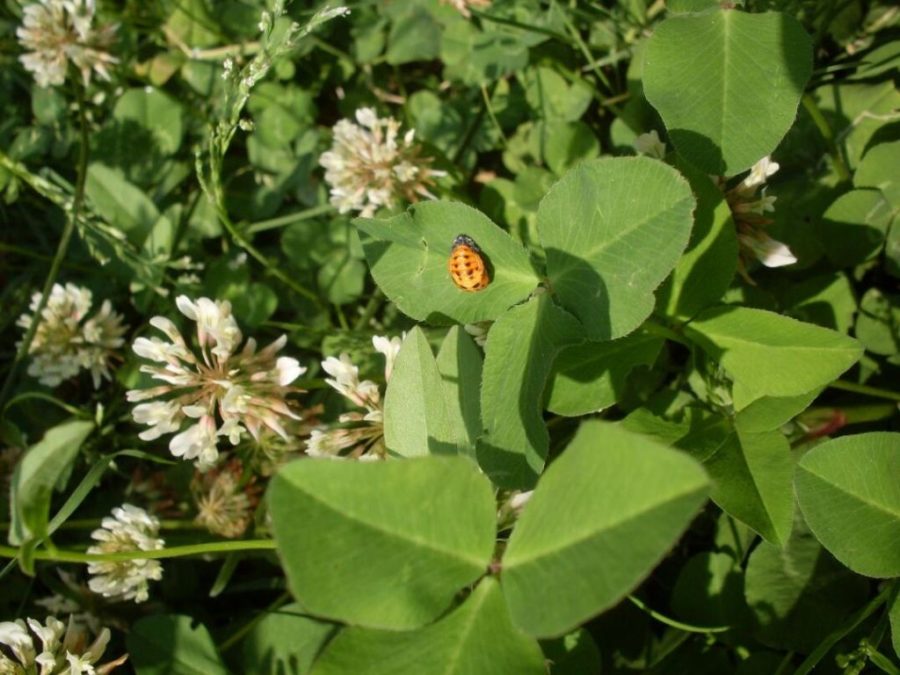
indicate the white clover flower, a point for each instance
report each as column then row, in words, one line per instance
column 66, row 342
column 389, row 347
column 759, row 173
column 56, row 32
column 224, row 506
column 462, row 6
column 369, row 166
column 220, row 391
column 650, row 144
column 360, row 432
column 749, row 204
column 130, row 529
column 63, row 649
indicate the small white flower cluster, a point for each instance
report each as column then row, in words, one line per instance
column 55, row 32
column 65, row 342
column 462, row 6
column 130, row 529
column 370, row 166
column 63, row 649
column 246, row 389
column 363, row 432
column 749, row 204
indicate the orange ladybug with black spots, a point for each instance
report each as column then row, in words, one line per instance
column 467, row 266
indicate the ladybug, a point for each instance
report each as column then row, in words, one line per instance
column 467, row 266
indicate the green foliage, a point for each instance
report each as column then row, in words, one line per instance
column 702, row 72
column 607, row 250
column 408, row 257
column 477, row 638
column 44, row 467
column 851, row 480
column 613, row 501
column 343, row 529
column 173, row 644
column 661, row 439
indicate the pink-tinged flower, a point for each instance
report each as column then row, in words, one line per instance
column 58, row 32
column 370, row 166
column 219, row 391
column 463, row 6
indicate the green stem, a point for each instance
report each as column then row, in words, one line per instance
column 61, row 249
column 576, row 36
column 65, row 556
column 825, row 646
column 824, row 128
column 239, row 634
column 664, row 331
column 865, row 389
column 289, row 219
column 370, row 309
column 677, row 624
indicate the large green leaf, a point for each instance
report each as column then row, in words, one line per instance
column 854, row 226
column 798, row 594
column 170, row 644
column 477, row 638
column 878, row 169
column 751, row 474
column 120, row 203
column 849, row 493
column 408, row 257
column 727, row 84
column 771, row 355
column 416, row 421
column 706, row 269
column 284, row 641
column 382, row 544
column 608, row 246
column 38, row 473
column 519, row 354
column 459, row 363
column 591, row 376
column 602, row 516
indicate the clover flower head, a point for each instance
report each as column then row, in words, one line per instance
column 362, row 431
column 463, row 6
column 66, row 342
column 370, row 165
column 56, row 32
column 650, row 144
column 129, row 529
column 224, row 506
column 63, row 649
column 219, row 392
column 749, row 204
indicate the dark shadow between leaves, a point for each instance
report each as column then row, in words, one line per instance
column 580, row 290
column 699, row 151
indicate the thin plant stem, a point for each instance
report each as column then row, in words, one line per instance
column 865, row 389
column 67, row 556
column 688, row 628
column 290, row 218
column 61, row 249
column 371, row 307
column 824, row 128
column 836, row 636
column 239, row 634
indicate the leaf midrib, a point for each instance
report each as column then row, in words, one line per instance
column 355, row 518
column 881, row 508
column 595, row 533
